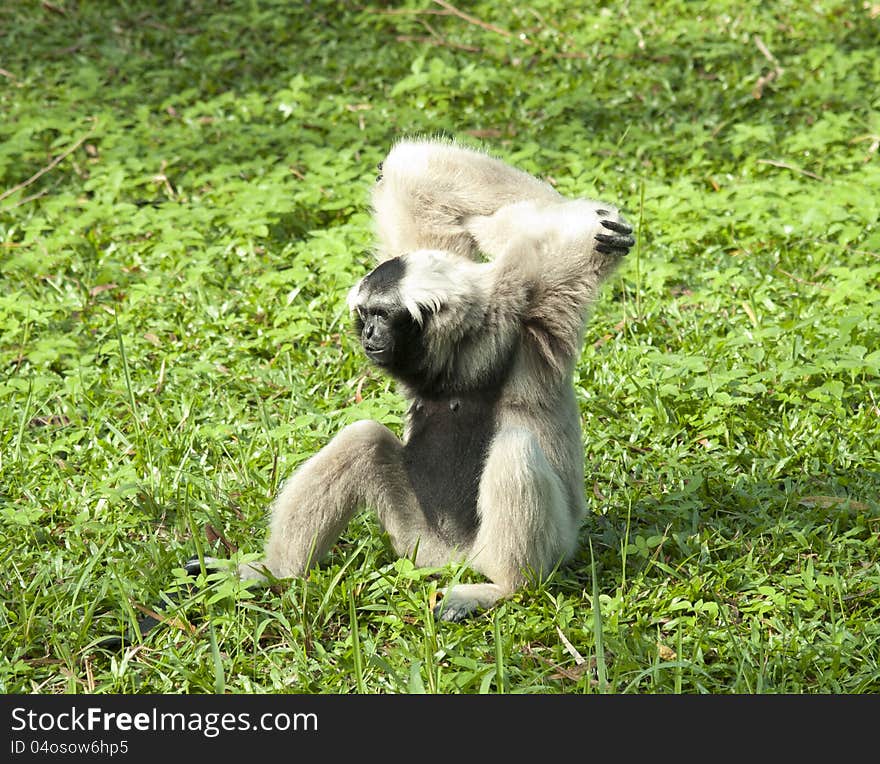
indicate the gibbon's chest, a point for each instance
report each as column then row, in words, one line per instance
column 444, row 456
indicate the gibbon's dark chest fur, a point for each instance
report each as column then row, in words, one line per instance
column 444, row 458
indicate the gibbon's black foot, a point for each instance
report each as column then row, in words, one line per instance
column 454, row 612
column 193, row 567
column 617, row 243
column 145, row 624
column 148, row 622
column 379, row 172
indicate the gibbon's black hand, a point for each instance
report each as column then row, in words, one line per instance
column 618, row 243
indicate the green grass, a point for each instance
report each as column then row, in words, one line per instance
column 174, row 338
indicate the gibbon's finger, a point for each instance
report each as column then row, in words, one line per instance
column 616, row 226
column 621, row 242
column 612, row 249
column 605, row 249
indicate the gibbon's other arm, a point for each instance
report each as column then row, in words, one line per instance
column 560, row 253
column 427, row 191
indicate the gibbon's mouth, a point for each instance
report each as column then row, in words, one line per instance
column 380, row 355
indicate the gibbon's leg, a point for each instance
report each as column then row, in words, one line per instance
column 526, row 526
column 361, row 466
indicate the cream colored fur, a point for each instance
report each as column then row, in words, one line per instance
column 445, row 209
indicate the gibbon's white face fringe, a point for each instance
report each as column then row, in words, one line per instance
column 435, row 280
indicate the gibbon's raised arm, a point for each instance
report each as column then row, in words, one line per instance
column 427, row 190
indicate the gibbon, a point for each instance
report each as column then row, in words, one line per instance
column 477, row 309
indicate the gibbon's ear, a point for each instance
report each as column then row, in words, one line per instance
column 351, row 298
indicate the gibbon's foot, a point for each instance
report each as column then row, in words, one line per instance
column 148, row 622
column 617, row 243
column 463, row 600
column 454, row 611
column 193, row 567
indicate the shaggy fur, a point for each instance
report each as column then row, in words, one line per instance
column 490, row 468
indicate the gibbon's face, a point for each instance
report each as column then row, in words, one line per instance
column 390, row 336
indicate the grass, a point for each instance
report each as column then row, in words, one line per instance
column 183, row 206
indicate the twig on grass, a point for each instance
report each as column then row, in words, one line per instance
column 477, row 22
column 447, row 9
column 570, row 648
column 766, row 79
column 22, row 202
column 435, row 38
column 872, row 149
column 562, row 672
column 406, row 11
column 54, row 8
column 49, row 167
column 522, row 37
column 766, row 53
column 212, row 534
column 786, row 166
column 802, row 281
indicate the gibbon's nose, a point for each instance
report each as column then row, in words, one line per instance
column 373, row 333
column 375, row 338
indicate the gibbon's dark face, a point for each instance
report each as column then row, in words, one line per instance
column 390, row 336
